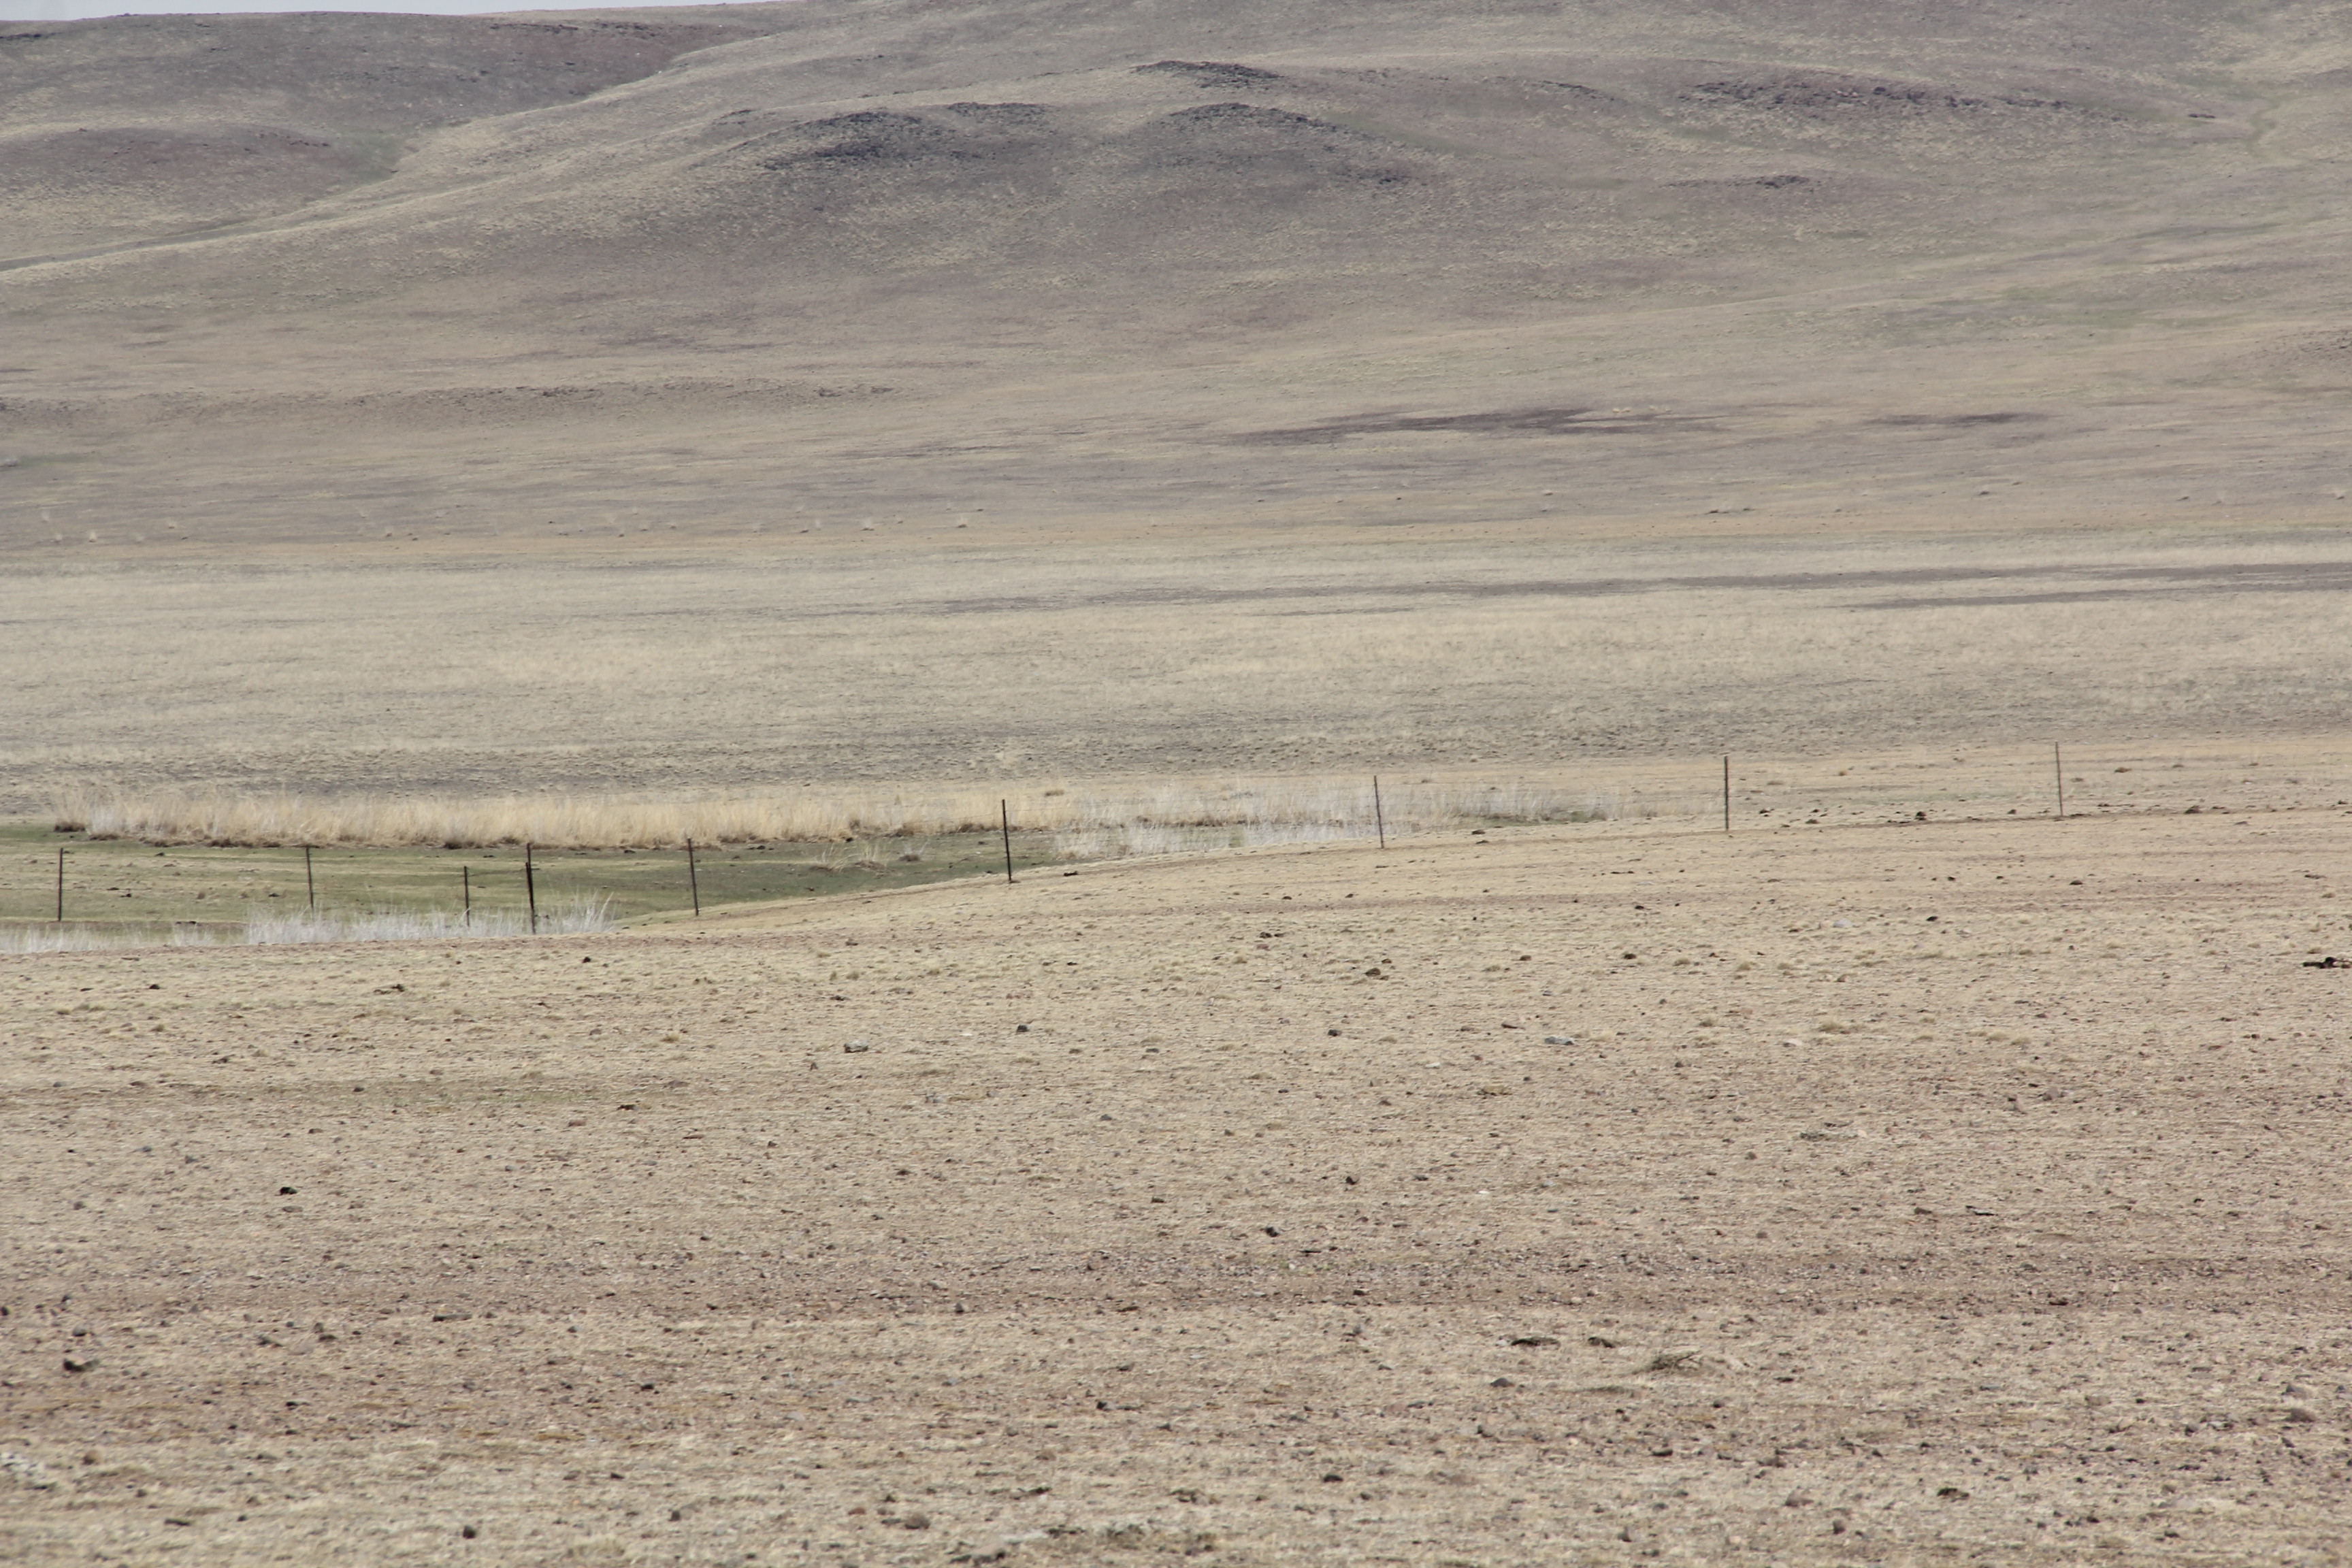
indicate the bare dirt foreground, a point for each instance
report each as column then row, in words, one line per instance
column 1909, row 1193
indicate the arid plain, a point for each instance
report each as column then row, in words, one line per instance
column 1908, row 1193
column 826, row 399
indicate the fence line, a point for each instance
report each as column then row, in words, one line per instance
column 1057, row 824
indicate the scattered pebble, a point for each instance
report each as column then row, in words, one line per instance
column 25, row 1471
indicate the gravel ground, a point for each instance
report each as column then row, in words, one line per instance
column 1880, row 1193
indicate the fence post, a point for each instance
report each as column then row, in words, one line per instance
column 308, row 886
column 1004, row 820
column 1727, row 795
column 530, row 889
column 466, row 885
column 1380, row 820
column 2058, row 766
column 61, row 887
column 693, row 882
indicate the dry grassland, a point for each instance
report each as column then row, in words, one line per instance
column 1107, row 818
column 1966, row 1191
column 1089, row 663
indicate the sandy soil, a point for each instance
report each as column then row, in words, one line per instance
column 1908, row 1192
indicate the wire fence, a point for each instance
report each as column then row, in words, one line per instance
column 112, row 887
column 91, row 895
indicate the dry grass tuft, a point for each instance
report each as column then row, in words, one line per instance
column 579, row 916
column 72, row 938
column 568, row 917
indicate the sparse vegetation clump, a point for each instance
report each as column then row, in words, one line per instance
column 580, row 915
column 17, row 940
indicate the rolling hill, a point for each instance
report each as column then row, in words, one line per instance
column 307, row 279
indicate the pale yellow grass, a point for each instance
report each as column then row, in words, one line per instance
column 762, row 679
column 1095, row 822
column 1112, row 819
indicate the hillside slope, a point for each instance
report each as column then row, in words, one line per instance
column 1088, row 258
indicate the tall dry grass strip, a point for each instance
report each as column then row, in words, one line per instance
column 1270, row 810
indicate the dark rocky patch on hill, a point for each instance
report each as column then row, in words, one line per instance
column 1820, row 96
column 1211, row 73
column 1501, row 421
column 1257, row 144
column 962, row 131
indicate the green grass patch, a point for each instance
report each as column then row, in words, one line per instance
column 122, row 885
